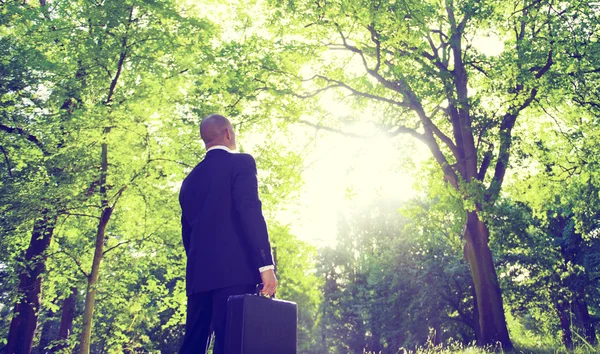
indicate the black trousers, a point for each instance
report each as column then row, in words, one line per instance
column 207, row 312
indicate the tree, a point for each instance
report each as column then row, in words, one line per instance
column 420, row 63
column 395, row 280
column 548, row 270
column 22, row 146
column 551, row 240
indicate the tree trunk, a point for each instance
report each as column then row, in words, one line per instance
column 66, row 320
column 585, row 318
column 475, row 321
column 564, row 315
column 90, row 297
column 492, row 323
column 24, row 321
column 46, row 335
column 375, row 345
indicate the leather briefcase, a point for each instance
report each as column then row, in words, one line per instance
column 260, row 325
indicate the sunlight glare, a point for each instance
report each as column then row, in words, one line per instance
column 347, row 171
column 491, row 44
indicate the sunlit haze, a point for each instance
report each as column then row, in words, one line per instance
column 346, row 171
column 343, row 170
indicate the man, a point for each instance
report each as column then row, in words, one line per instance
column 224, row 235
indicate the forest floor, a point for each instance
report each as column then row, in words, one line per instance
column 519, row 349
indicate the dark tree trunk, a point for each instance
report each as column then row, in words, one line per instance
column 46, row 335
column 564, row 315
column 475, row 321
column 24, row 321
column 572, row 254
column 585, row 318
column 66, row 320
column 375, row 342
column 490, row 309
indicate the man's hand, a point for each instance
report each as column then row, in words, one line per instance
column 269, row 282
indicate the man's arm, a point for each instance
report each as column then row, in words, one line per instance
column 249, row 208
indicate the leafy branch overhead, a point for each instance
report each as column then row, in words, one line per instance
column 422, row 60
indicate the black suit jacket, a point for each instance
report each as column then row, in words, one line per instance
column 224, row 232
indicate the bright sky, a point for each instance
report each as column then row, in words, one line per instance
column 344, row 171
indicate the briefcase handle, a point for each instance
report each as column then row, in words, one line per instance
column 259, row 288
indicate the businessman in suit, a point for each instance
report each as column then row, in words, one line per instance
column 224, row 235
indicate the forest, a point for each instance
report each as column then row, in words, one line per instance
column 482, row 115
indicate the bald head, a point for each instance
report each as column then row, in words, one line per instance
column 217, row 130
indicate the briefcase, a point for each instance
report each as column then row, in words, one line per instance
column 260, row 325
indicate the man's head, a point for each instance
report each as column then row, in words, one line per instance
column 217, row 130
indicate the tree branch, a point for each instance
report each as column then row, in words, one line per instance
column 588, row 103
column 478, row 68
column 462, row 105
column 524, row 10
column 122, row 57
column 143, row 168
column 76, row 262
column 397, row 131
column 8, row 168
column 352, row 48
column 444, row 138
column 30, row 137
column 120, row 192
column 394, row 86
column 564, row 134
column 449, row 172
column 333, row 130
column 546, row 67
column 118, row 195
column 115, row 246
column 485, row 164
column 462, row 317
column 440, row 33
column 171, row 160
column 435, row 58
column 412, row 132
column 375, row 39
column 129, row 241
column 506, row 127
column 360, row 93
column 314, row 93
column 78, row 214
column 411, row 98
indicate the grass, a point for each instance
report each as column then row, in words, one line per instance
column 529, row 347
column 526, row 340
column 458, row 348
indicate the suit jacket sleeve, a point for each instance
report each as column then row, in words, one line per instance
column 186, row 231
column 249, row 209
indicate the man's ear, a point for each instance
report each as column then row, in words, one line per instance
column 228, row 133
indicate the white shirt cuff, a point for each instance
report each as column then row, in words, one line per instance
column 265, row 268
